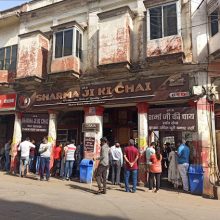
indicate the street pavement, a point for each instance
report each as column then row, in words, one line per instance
column 29, row 198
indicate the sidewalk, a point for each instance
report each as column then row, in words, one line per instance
column 28, row 198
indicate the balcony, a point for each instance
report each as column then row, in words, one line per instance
column 65, row 67
column 115, row 46
column 164, row 46
column 32, row 55
column 7, row 76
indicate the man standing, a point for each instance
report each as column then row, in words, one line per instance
column 45, row 152
column 116, row 162
column 69, row 159
column 57, row 158
column 183, row 153
column 7, row 156
column 103, row 166
column 24, row 148
column 131, row 156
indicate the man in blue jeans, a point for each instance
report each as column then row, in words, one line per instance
column 45, row 152
column 131, row 156
column 69, row 159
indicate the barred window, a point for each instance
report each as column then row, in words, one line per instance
column 163, row 21
column 8, row 58
column 68, row 42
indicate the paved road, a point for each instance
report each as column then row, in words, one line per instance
column 27, row 198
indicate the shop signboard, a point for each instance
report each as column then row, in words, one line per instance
column 7, row 102
column 172, row 119
column 121, row 91
column 90, row 127
column 35, row 122
column 89, row 144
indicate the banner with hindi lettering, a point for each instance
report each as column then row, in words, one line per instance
column 172, row 119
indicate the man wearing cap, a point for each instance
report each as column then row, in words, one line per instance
column 103, row 166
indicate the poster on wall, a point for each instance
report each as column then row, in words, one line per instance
column 172, row 119
column 35, row 122
column 89, row 144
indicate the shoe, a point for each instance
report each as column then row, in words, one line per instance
column 156, row 190
column 128, row 190
column 67, row 179
column 99, row 192
column 104, row 192
column 133, row 191
column 41, row 179
column 48, row 179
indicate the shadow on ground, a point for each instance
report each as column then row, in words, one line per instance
column 25, row 210
column 85, row 189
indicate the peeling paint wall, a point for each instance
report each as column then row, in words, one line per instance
column 30, row 55
column 164, row 46
column 64, row 64
column 115, row 40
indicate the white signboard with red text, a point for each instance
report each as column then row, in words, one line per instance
column 7, row 102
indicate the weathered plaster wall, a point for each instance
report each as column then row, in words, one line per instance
column 115, row 39
column 30, row 55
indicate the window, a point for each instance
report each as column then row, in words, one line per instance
column 214, row 22
column 67, row 43
column 8, row 58
column 163, row 21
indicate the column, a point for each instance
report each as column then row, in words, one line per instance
column 142, row 140
column 93, row 115
column 52, row 132
column 17, row 135
column 207, row 143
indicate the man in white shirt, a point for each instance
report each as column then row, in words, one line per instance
column 45, row 152
column 69, row 150
column 24, row 148
column 116, row 163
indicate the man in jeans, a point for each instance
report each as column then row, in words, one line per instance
column 183, row 153
column 45, row 152
column 7, row 155
column 116, row 162
column 25, row 147
column 131, row 156
column 103, row 165
column 69, row 159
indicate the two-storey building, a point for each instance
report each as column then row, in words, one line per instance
column 123, row 69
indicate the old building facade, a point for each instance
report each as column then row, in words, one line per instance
column 123, row 69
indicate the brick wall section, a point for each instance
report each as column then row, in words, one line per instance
column 3, row 76
column 164, row 46
column 30, row 55
column 65, row 64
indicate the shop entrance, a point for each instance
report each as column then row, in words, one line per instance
column 69, row 127
column 120, row 124
column 6, row 128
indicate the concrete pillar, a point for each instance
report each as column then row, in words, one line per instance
column 94, row 115
column 139, row 51
column 52, row 132
column 142, row 140
column 92, row 51
column 17, row 135
column 207, row 143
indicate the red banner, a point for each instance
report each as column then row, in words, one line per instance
column 7, row 102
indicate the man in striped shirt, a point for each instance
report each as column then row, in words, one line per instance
column 69, row 159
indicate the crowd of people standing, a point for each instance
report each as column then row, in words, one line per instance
column 44, row 159
column 66, row 158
